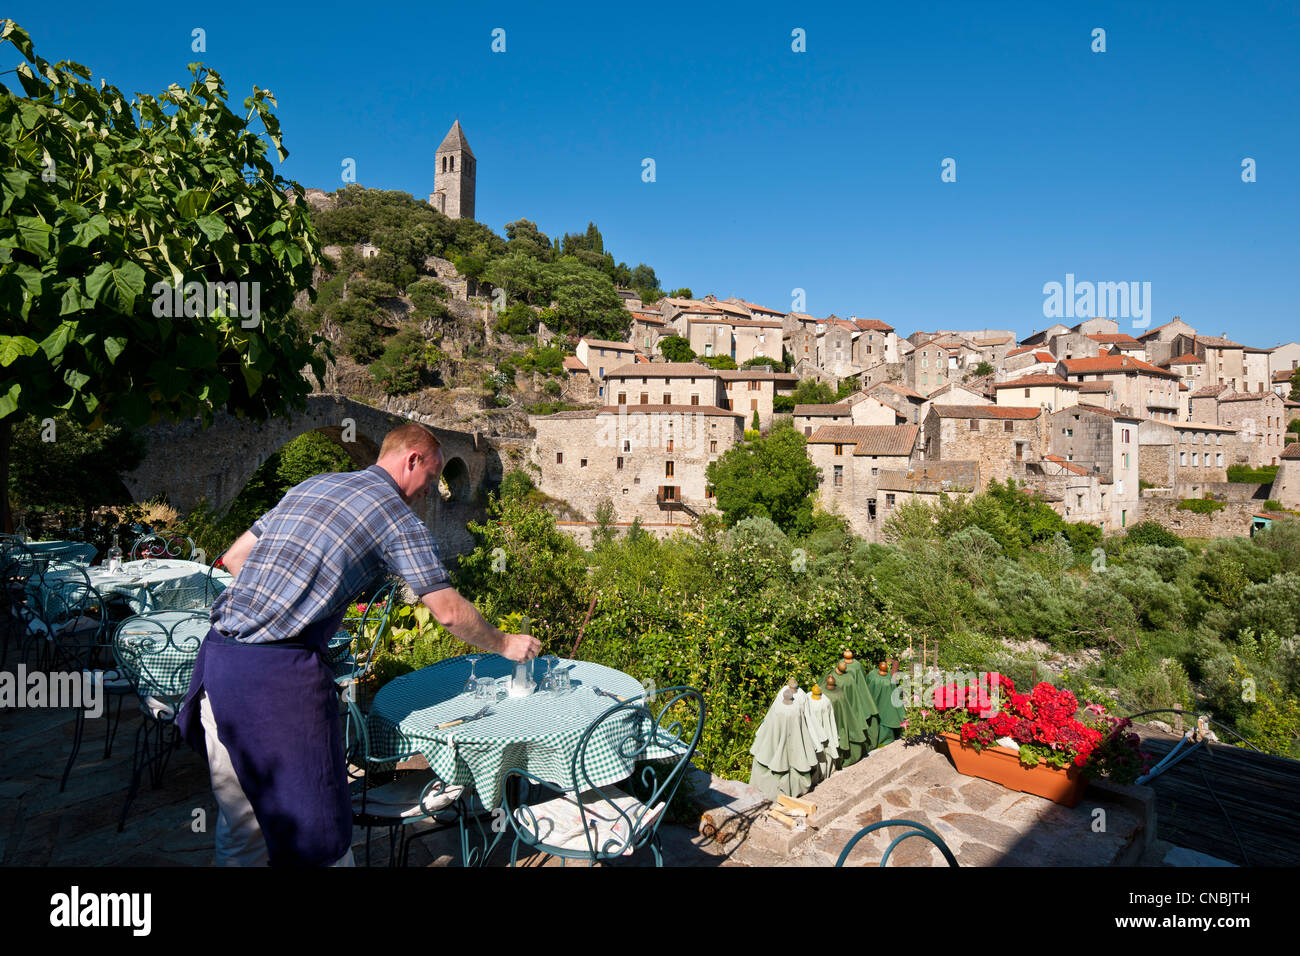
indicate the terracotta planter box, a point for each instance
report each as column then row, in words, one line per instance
column 1002, row 766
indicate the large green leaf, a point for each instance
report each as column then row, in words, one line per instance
column 90, row 230
column 9, row 400
column 33, row 234
column 212, row 226
column 14, row 347
column 119, row 285
column 54, row 343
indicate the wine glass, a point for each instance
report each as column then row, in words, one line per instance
column 472, row 683
column 547, row 685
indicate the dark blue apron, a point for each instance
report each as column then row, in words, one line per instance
column 277, row 712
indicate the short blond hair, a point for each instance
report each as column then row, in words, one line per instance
column 410, row 437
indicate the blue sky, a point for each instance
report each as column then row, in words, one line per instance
column 819, row 170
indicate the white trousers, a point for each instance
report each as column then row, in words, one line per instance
column 239, row 836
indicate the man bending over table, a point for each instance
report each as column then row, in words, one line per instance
column 262, row 703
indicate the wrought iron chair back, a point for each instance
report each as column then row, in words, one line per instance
column 73, row 615
column 914, row 829
column 156, row 652
column 213, row 586
column 163, row 544
column 660, row 730
column 353, row 652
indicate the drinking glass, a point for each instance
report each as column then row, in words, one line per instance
column 563, row 680
column 485, row 688
column 472, row 684
column 547, row 683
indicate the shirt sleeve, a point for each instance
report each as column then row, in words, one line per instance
column 411, row 553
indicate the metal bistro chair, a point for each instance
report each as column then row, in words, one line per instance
column 163, row 544
column 914, row 829
column 600, row 821
column 17, row 569
column 156, row 652
column 407, row 797
column 69, row 618
column 353, row 650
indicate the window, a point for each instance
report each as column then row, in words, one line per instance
column 668, row 469
column 839, row 476
column 1078, row 502
column 1125, row 459
column 1218, row 459
column 622, row 398
column 1067, row 432
column 807, row 430
column 645, row 398
column 974, row 424
column 1126, row 436
column 753, row 404
column 708, row 349
column 713, row 444
column 1008, row 427
column 755, row 385
column 619, row 466
column 670, row 445
column 889, row 501
column 871, row 509
column 708, row 491
column 875, row 472
column 559, row 458
column 582, row 463
column 602, row 371
column 627, row 445
column 1182, row 459
column 1026, row 393
column 839, row 450
column 695, row 399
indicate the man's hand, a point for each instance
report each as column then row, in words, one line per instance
column 464, row 621
column 520, row 647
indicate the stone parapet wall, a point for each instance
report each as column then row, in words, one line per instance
column 1233, row 521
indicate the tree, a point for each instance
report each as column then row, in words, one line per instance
column 58, row 464
column 769, row 477
column 403, row 364
column 676, row 348
column 1295, row 386
column 755, row 424
column 812, row 392
column 765, row 360
column 720, row 362
column 682, row 293
column 984, row 368
column 110, row 203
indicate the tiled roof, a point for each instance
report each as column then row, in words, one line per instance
column 1022, row 350
column 1109, row 413
column 1030, row 381
column 571, row 361
column 1115, row 338
column 1206, row 391
column 869, row 439
column 1218, row 342
column 822, row 410
column 995, row 340
column 754, row 374
column 759, row 308
column 931, row 477
column 1096, row 387
column 1197, row 426
column 803, row 316
column 1114, row 363
column 1283, row 374
column 1150, row 332
column 1291, row 452
column 1186, row 359
column 984, row 411
column 648, row 319
column 740, row 323
column 1067, row 465
column 900, row 389
column 873, row 325
column 1248, row 397
column 663, row 370
column 604, row 344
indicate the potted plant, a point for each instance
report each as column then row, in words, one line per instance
column 1041, row 742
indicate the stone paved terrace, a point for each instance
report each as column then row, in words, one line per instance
column 983, row 824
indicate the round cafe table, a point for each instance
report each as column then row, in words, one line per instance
column 171, row 584
column 64, row 550
column 538, row 733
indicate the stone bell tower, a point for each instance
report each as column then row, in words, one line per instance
column 453, row 180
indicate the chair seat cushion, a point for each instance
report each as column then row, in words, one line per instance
column 402, row 798
column 560, row 821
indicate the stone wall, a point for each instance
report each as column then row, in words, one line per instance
column 1233, row 521
column 1286, row 486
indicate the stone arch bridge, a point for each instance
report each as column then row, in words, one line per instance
column 188, row 463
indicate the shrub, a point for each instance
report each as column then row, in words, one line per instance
column 1263, row 475
column 1201, row 506
column 403, row 364
column 1153, row 533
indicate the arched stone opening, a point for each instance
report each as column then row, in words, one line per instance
column 454, row 484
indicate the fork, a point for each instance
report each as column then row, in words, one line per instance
column 606, row 693
column 463, row 720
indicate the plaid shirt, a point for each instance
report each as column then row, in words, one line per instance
column 326, row 540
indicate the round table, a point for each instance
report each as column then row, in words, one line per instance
column 171, row 584
column 538, row 733
column 65, row 550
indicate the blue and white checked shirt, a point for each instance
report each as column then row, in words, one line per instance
column 328, row 538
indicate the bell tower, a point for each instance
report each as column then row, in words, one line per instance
column 453, row 180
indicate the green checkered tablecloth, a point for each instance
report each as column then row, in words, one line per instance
column 171, row 584
column 538, row 733
column 158, row 651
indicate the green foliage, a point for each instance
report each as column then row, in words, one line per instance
column 675, row 348
column 1263, row 475
column 550, row 408
column 1152, row 533
column 984, row 368
column 548, row 361
column 682, row 293
column 428, row 299
column 1295, row 387
column 519, row 319
column 764, row 360
column 812, row 392
column 404, row 363
column 1294, row 426
column 755, row 424
column 78, row 469
column 145, row 193
column 1201, row 506
column 783, row 403
column 1272, row 504
column 719, row 362
column 769, row 477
